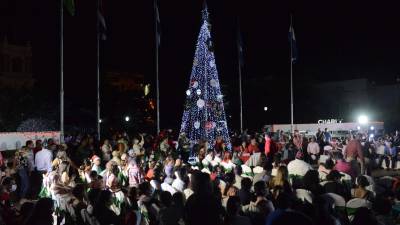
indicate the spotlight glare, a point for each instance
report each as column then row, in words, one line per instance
column 363, row 119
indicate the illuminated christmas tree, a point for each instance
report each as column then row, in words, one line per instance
column 204, row 114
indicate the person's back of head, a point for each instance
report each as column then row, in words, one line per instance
column 144, row 188
column 79, row 191
column 260, row 188
column 329, row 164
column 364, row 216
column 178, row 199
column 246, row 184
column 166, row 198
column 93, row 194
column 200, row 183
column 362, row 181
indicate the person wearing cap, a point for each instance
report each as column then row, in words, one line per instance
column 298, row 167
column 333, row 184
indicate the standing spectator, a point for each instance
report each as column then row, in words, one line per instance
column 327, row 137
column 21, row 164
column 106, row 149
column 43, row 163
column 31, row 160
column 267, row 146
column 391, row 155
column 354, row 154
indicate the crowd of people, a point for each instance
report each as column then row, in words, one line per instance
column 265, row 179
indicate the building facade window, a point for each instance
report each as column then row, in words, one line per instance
column 16, row 65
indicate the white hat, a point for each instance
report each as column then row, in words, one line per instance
column 258, row 169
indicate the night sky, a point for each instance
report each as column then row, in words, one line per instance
column 336, row 40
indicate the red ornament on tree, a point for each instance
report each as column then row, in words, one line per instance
column 209, row 125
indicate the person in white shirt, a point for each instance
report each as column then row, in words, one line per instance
column 43, row 165
column 298, row 167
column 313, row 149
column 43, row 160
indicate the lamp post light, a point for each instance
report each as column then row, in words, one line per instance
column 127, row 118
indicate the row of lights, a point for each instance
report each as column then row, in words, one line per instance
column 127, row 119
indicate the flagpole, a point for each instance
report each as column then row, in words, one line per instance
column 240, row 79
column 157, row 80
column 61, row 71
column 98, row 71
column 291, row 79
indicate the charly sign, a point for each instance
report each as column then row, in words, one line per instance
column 328, row 121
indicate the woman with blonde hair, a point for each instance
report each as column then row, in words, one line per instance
column 281, row 180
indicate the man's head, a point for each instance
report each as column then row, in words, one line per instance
column 29, row 144
column 96, row 160
column 39, row 144
column 9, row 184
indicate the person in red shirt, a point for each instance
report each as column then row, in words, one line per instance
column 267, row 146
column 253, row 146
column 343, row 166
column 354, row 153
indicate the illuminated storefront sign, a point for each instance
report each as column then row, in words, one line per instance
column 328, row 121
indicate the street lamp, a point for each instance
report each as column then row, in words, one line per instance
column 363, row 119
column 372, row 128
column 127, row 118
column 100, row 120
column 265, row 108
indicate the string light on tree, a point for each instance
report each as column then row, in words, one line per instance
column 204, row 115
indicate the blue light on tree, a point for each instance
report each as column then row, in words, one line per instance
column 204, row 114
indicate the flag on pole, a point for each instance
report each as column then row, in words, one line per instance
column 70, row 6
column 102, row 22
column 240, row 46
column 158, row 27
column 292, row 41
